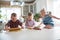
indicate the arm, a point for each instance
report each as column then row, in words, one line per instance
column 26, row 23
column 54, row 17
column 34, row 23
column 7, row 26
column 41, row 23
column 20, row 24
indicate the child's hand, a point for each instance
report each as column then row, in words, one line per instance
column 7, row 28
column 30, row 28
column 39, row 25
column 36, row 28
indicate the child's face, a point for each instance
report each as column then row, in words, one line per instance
column 13, row 18
column 30, row 17
column 43, row 13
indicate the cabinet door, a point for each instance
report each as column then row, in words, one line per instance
column 34, row 8
column 31, row 8
column 26, row 9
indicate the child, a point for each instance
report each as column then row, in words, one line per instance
column 30, row 23
column 13, row 23
column 47, row 19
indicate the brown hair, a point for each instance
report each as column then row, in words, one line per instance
column 29, row 14
column 13, row 14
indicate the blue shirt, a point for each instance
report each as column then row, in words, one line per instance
column 47, row 19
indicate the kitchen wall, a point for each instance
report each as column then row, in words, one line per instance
column 40, row 4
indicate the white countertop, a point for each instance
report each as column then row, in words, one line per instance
column 44, row 34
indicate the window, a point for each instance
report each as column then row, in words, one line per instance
column 6, row 13
column 31, row 8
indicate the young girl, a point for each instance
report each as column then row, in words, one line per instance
column 47, row 19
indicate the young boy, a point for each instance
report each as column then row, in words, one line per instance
column 13, row 23
column 47, row 19
column 30, row 23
